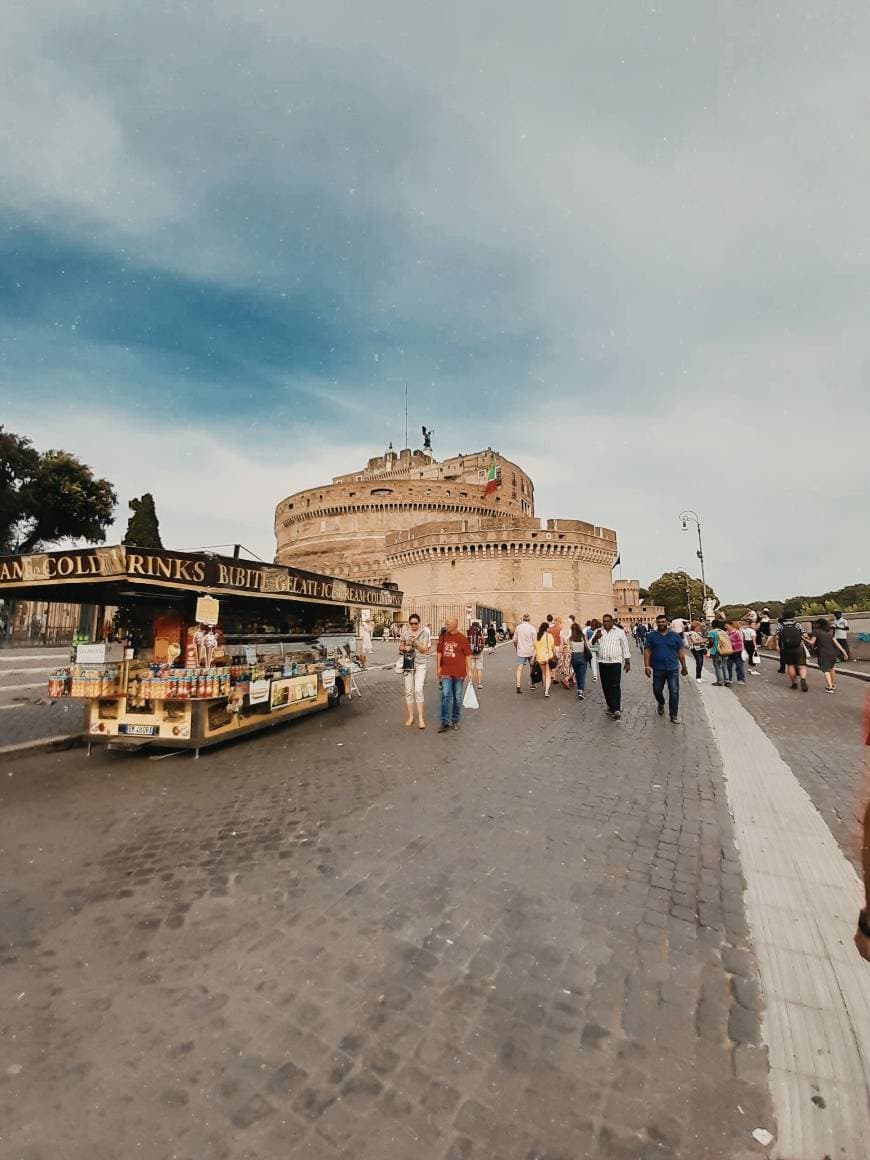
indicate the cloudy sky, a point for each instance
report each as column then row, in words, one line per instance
column 624, row 243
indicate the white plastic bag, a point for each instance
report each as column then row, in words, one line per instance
column 399, row 666
column 470, row 701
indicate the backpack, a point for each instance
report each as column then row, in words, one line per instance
column 792, row 636
column 723, row 643
column 475, row 639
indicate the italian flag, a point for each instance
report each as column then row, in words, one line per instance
column 492, row 481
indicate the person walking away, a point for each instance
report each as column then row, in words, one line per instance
column 697, row 643
column 564, row 668
column 524, row 643
column 750, row 634
column 414, row 645
column 828, row 651
column 780, row 621
column 614, row 658
column 792, row 653
column 453, row 665
column 735, row 660
column 841, row 633
column 678, row 625
column 545, row 651
column 664, row 658
column 719, row 647
column 475, row 641
column 555, row 630
column 592, row 626
column 763, row 630
column 580, row 658
column 491, row 637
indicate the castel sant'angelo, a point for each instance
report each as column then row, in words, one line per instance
column 458, row 536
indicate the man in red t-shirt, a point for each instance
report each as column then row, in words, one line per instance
column 452, row 666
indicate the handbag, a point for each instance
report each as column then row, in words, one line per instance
column 399, row 666
column 552, row 662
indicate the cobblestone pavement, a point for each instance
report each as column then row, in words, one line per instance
column 521, row 941
column 820, row 737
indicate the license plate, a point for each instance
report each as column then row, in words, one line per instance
column 139, row 730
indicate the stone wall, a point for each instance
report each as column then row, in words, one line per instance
column 518, row 567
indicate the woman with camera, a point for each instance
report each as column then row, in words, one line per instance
column 414, row 644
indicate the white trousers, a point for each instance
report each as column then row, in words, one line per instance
column 414, row 685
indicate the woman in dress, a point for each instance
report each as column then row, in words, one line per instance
column 414, row 645
column 545, row 651
column 828, row 650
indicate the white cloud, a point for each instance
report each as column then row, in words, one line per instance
column 209, row 487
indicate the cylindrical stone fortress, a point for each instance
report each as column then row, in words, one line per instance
column 428, row 526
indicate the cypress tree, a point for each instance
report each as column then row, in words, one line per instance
column 143, row 527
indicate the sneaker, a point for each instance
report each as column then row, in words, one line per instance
column 699, row 681
column 720, row 684
column 675, row 720
column 616, row 714
column 830, row 690
column 443, row 728
column 804, row 686
column 547, row 694
column 727, row 684
column 455, row 725
column 581, row 696
column 660, row 709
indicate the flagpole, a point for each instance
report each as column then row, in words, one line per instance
column 406, row 414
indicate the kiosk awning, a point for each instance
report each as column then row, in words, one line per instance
column 106, row 575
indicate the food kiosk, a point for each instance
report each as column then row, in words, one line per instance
column 199, row 648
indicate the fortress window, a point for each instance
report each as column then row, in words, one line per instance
column 351, row 494
column 323, row 525
column 382, row 491
column 547, row 580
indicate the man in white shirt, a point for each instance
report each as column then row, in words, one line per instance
column 678, row 625
column 614, row 657
column 524, row 641
column 840, row 626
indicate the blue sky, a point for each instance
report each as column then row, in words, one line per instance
column 625, row 245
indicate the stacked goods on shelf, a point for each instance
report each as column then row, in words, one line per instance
column 88, row 681
column 164, row 683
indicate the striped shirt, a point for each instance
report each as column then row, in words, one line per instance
column 613, row 646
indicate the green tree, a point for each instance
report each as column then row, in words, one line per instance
column 644, row 595
column 670, row 591
column 49, row 496
column 143, row 527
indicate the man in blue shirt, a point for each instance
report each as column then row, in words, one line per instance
column 664, row 660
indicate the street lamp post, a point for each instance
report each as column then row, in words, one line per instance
column 692, row 517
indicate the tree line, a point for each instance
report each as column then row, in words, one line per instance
column 682, row 595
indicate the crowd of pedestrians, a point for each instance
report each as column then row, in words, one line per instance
column 556, row 654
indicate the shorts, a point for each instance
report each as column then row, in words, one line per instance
column 525, row 660
column 477, row 661
column 796, row 657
